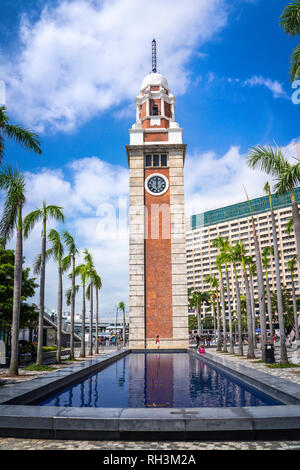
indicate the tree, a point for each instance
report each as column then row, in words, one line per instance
column 223, row 246
column 283, row 351
column 91, row 276
column 268, row 251
column 13, row 183
column 215, row 301
column 98, row 286
column 70, row 261
column 287, row 177
column 260, row 286
column 292, row 268
column 82, row 270
column 27, row 139
column 241, row 254
column 42, row 215
column 234, row 259
column 290, row 23
column 121, row 307
column 196, row 299
column 28, row 315
column 219, row 266
column 57, row 252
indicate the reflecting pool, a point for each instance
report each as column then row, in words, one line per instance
column 168, row 380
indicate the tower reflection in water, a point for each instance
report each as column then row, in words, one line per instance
column 155, row 380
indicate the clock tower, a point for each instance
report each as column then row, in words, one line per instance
column 158, row 305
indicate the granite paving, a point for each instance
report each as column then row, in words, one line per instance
column 40, row 444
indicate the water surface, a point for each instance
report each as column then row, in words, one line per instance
column 168, row 380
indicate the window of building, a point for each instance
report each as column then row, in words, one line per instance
column 155, row 110
column 156, row 160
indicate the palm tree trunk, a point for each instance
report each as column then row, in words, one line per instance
column 296, row 219
column 91, row 321
column 269, row 301
column 295, row 311
column 283, row 350
column 250, row 354
column 72, row 352
column 252, row 304
column 231, row 350
column 219, row 343
column 39, row 356
column 82, row 348
column 261, row 295
column 199, row 321
column 239, row 314
column 59, row 315
column 224, row 314
column 97, row 320
column 14, row 360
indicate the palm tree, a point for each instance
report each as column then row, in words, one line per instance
column 287, row 176
column 292, row 268
column 268, row 251
column 283, row 351
column 196, row 300
column 98, row 285
column 91, row 276
column 42, row 215
column 223, row 245
column 23, row 137
column 260, row 286
column 241, row 254
column 214, row 294
column 68, row 261
column 121, row 307
column 219, row 266
column 13, row 183
column 82, row 270
column 234, row 259
column 252, row 270
column 56, row 252
column 290, row 23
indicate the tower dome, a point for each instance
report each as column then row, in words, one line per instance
column 154, row 79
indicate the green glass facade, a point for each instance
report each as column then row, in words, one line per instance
column 240, row 210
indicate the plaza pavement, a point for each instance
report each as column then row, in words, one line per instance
column 292, row 375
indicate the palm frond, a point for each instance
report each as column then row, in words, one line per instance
column 13, row 183
column 29, row 140
column 267, row 159
column 37, row 262
column 289, row 226
column 66, row 263
column 295, row 64
column 30, row 220
column 57, row 248
column 290, row 18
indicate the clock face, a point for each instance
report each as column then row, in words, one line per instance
column 156, row 184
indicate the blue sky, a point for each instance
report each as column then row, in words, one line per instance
column 73, row 69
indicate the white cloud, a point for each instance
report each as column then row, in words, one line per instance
column 83, row 57
column 274, row 86
column 212, row 180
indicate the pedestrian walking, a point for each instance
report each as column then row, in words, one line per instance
column 157, row 341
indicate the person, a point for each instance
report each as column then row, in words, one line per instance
column 197, row 340
column 157, row 341
column 107, row 342
column 201, row 350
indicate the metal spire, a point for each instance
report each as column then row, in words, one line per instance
column 154, row 58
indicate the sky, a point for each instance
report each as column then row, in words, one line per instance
column 72, row 70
